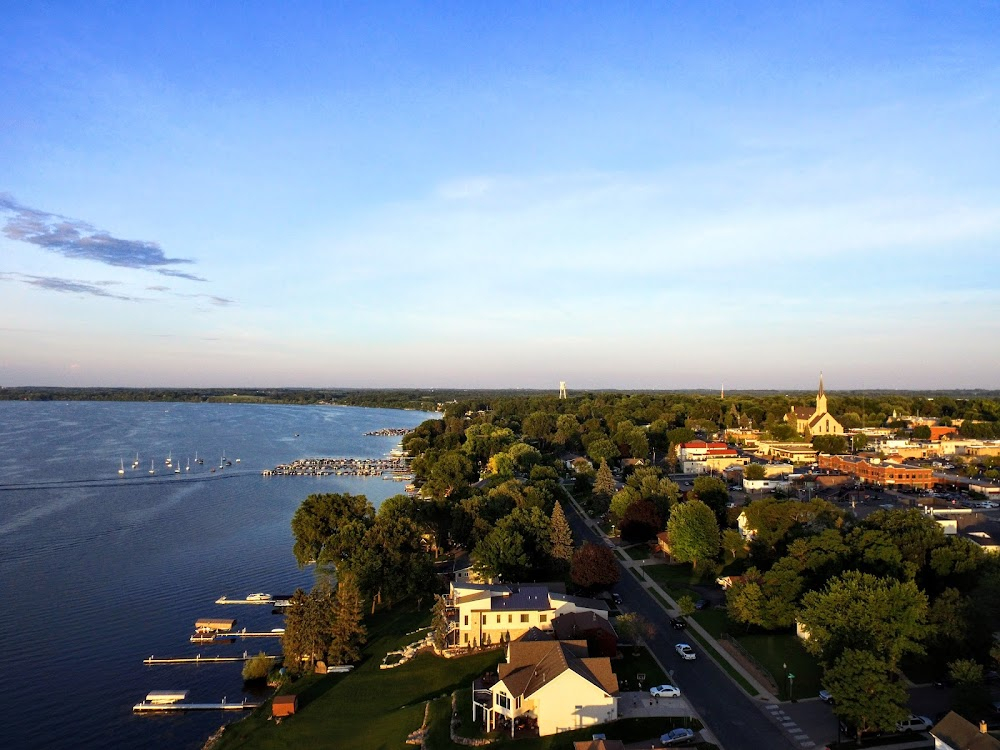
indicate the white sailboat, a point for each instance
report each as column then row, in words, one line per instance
column 198, row 460
column 188, row 466
column 151, row 469
column 177, row 469
column 135, row 464
column 170, row 459
column 122, row 469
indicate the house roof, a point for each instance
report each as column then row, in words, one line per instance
column 573, row 624
column 959, row 734
column 599, row 745
column 532, row 665
column 524, row 598
column 803, row 412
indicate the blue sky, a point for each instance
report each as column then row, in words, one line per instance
column 661, row 195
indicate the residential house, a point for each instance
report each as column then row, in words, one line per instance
column 955, row 733
column 599, row 744
column 555, row 684
column 488, row 613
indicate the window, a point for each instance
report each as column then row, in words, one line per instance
column 543, row 618
column 524, row 617
column 498, row 619
column 510, row 618
column 466, row 621
column 484, row 619
column 465, row 637
column 503, row 700
column 517, row 702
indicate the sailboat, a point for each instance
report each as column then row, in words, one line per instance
column 177, row 468
column 170, row 459
column 151, row 469
column 198, row 460
column 122, row 469
column 135, row 464
column 188, row 466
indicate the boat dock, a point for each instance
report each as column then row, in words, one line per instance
column 224, row 706
column 226, row 600
column 199, row 659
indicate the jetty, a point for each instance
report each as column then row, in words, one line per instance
column 199, row 659
column 243, row 705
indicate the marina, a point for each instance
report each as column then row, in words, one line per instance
column 393, row 466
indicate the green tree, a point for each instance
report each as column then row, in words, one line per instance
column 540, row 426
column 603, row 449
column 754, row 471
column 634, row 627
column 621, row 501
column 518, row 548
column 439, row 623
column 562, row 537
column 733, row 543
column 640, row 522
column 859, row 611
column 867, row 698
column 328, row 527
column 971, row 694
column 713, row 492
column 348, row 631
column 257, row 667
column 594, row 567
column 604, row 483
column 831, row 444
column 685, row 605
column 921, row 432
column 694, row 533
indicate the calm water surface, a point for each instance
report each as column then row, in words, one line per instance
column 98, row 571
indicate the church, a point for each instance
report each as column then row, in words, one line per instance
column 809, row 421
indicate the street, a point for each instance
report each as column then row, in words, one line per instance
column 736, row 720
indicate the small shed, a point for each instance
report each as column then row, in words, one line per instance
column 216, row 624
column 284, row 705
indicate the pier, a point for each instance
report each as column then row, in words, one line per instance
column 224, row 706
column 273, row 601
column 199, row 659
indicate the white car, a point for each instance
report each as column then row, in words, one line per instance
column 914, row 723
column 989, row 505
column 685, row 651
column 665, row 691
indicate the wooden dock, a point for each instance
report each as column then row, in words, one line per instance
column 224, row 706
column 199, row 659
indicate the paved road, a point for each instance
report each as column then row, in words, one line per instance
column 737, row 721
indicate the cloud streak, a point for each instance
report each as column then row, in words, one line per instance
column 68, row 286
column 76, row 239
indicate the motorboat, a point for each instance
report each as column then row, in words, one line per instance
column 258, row 597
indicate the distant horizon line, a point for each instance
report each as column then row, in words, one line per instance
column 701, row 390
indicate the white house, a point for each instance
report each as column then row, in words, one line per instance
column 485, row 613
column 554, row 683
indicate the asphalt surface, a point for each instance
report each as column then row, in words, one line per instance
column 736, row 720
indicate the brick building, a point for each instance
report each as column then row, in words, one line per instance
column 884, row 473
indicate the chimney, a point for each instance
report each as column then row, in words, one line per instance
column 983, row 728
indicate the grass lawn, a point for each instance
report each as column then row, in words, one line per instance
column 638, row 551
column 676, row 580
column 369, row 708
column 629, row 665
column 773, row 651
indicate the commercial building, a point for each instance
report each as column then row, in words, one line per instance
column 875, row 471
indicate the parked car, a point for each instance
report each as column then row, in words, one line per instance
column 826, row 696
column 616, row 598
column 702, row 604
column 685, row 651
column 914, row 723
column 679, row 736
column 677, row 623
column 665, row 691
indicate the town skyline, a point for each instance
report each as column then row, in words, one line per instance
column 401, row 196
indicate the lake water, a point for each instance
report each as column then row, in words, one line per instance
column 99, row 572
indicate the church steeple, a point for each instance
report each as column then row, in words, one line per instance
column 821, row 397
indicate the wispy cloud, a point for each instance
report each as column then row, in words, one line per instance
column 73, row 238
column 180, row 274
column 69, row 286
